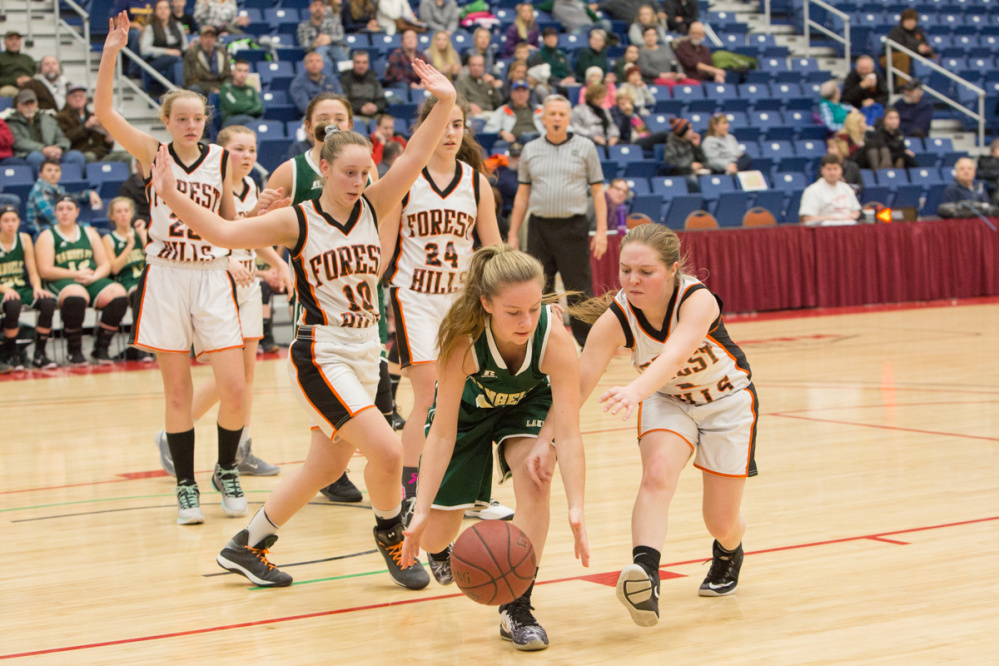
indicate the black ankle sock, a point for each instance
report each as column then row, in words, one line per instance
column 722, row 550
column 9, row 344
column 74, row 340
column 41, row 342
column 388, row 523
column 228, row 445
column 182, row 451
column 441, row 556
column 647, row 558
column 103, row 338
column 410, row 475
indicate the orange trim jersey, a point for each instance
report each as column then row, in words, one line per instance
column 336, row 266
column 435, row 233
column 718, row 368
column 201, row 181
column 245, row 199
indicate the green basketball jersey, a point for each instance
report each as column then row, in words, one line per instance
column 12, row 264
column 135, row 262
column 308, row 180
column 73, row 254
column 494, row 385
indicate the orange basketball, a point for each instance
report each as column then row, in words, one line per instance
column 493, row 562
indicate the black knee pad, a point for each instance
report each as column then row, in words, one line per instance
column 265, row 292
column 74, row 309
column 113, row 312
column 46, row 308
column 11, row 314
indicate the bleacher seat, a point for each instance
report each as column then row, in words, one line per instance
column 772, row 200
column 649, row 205
column 925, row 177
column 892, row 178
column 271, row 151
column 790, row 181
column 624, row 153
column 680, row 207
column 17, row 180
column 713, row 186
column 730, row 208
column 791, row 206
column 667, row 188
column 270, row 129
column 642, row 169
column 639, row 186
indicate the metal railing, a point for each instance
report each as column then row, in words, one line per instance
column 29, row 39
column 84, row 38
column 843, row 39
column 766, row 11
column 891, row 45
column 121, row 80
column 709, row 31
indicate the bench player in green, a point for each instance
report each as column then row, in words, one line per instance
column 20, row 287
column 506, row 365
column 73, row 261
column 125, row 247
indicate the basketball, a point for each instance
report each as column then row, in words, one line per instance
column 493, row 562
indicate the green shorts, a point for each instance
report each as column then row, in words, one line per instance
column 128, row 281
column 469, row 476
column 26, row 294
column 93, row 289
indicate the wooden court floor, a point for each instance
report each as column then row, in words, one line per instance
column 873, row 525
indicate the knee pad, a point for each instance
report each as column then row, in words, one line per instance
column 74, row 309
column 113, row 312
column 46, row 308
column 11, row 313
column 265, row 292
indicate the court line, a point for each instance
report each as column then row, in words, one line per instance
column 298, row 564
column 349, row 505
column 307, row 616
column 884, row 427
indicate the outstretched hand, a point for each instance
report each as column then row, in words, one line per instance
column 117, row 34
column 581, row 543
column 621, row 398
column 433, row 81
column 161, row 177
column 272, row 200
column 413, row 534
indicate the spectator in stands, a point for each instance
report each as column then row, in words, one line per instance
column 239, row 102
column 629, row 59
column 517, row 117
column 596, row 75
column 886, row 148
column 223, row 15
column 722, row 150
column 910, row 35
column 646, row 19
column 178, row 10
column 680, row 15
column 135, row 189
column 37, row 136
column 483, row 91
column 400, row 62
column 621, row 10
column 554, row 57
column 523, row 30
column 16, row 68
column 592, row 120
column 853, row 138
column 482, row 45
column 659, row 63
column 642, row 98
column 506, row 178
column 864, row 86
column 206, row 63
column 312, row 81
column 7, row 153
column 440, row 15
column 361, row 16
column 539, row 78
column 397, row 16
column 595, row 55
column 915, row 110
column 988, row 170
column 683, row 154
column 84, row 131
column 49, row 85
column 631, row 127
column 139, row 13
column 616, row 197
column 829, row 201
column 163, row 41
column 832, row 111
column 443, row 56
column 851, row 171
column 576, row 16
column 515, row 73
column 695, row 56
column 361, row 86
column 960, row 197
column 323, row 32
column 47, row 191
column 390, row 154
column 384, row 134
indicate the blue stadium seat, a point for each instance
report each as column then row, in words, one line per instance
column 667, row 188
column 568, row 42
column 892, row 178
column 609, row 167
column 925, row 177
column 776, row 149
column 932, row 201
column 360, row 126
column 699, row 121
column 639, row 186
column 17, row 180
column 386, row 43
column 790, row 181
column 642, row 169
column 747, row 134
column 680, row 207
column 730, row 208
column 772, row 200
column 688, row 93
column 753, row 91
column 908, row 196
column 791, row 206
column 99, row 172
column 357, row 40
column 648, row 204
column 811, row 148
column 869, row 178
column 761, row 40
column 658, row 122
column 72, row 172
column 271, row 151
column 624, row 153
column 270, row 129
column 714, row 185
column 877, row 194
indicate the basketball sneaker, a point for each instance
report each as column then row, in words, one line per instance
column 189, row 506
column 101, row 356
column 251, row 465
column 491, row 510
column 19, row 360
column 517, row 624
column 251, row 561
column 77, row 360
column 43, row 362
column 166, row 459
column 342, row 490
column 639, row 593
column 226, row 481
column 441, row 569
column 389, row 543
column 5, row 367
column 724, row 573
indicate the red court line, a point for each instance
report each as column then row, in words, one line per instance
column 884, row 427
column 306, row 616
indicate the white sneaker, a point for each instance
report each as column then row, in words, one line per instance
column 189, row 506
column 491, row 511
column 226, row 481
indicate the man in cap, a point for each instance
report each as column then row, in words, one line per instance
column 915, row 110
column 16, row 68
column 518, row 116
column 37, row 136
column 206, row 64
column 84, row 130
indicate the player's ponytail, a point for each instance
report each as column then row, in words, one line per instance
column 492, row 268
column 470, row 152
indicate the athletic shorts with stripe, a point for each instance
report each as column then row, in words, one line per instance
column 187, row 304
column 251, row 310
column 469, row 476
column 94, row 289
column 418, row 318
column 335, row 373
column 722, row 433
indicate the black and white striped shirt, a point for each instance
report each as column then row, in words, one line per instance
column 560, row 175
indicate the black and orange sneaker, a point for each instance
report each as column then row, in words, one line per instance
column 239, row 557
column 389, row 543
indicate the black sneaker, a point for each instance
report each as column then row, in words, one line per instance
column 239, row 557
column 77, row 360
column 342, row 490
column 724, row 573
column 517, row 624
column 441, row 569
column 268, row 346
column 5, row 366
column 43, row 362
column 396, row 421
column 389, row 543
column 101, row 357
column 639, row 593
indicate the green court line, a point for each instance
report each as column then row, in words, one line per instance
column 323, row 580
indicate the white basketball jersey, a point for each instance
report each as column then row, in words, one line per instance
column 716, row 369
column 245, row 199
column 336, row 266
column 171, row 239
column 435, row 233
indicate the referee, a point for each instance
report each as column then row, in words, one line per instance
column 554, row 174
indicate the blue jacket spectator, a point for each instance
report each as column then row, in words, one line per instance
column 964, row 187
column 915, row 110
column 311, row 82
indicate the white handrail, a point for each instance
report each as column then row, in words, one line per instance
column 766, row 11
column 709, row 31
column 809, row 24
column 162, row 80
column 29, row 39
column 891, row 45
column 85, row 38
